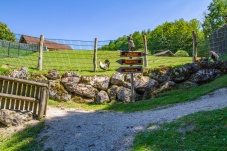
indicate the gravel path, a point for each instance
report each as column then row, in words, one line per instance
column 71, row 129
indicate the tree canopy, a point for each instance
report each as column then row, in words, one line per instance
column 174, row 36
column 214, row 18
column 168, row 36
column 5, row 33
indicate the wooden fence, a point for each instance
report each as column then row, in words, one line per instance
column 19, row 94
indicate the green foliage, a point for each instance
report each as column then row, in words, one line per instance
column 214, row 18
column 168, row 36
column 5, row 33
column 181, row 53
column 173, row 36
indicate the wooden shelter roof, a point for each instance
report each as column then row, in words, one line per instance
column 49, row 44
column 164, row 53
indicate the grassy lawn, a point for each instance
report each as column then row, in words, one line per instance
column 78, row 61
column 202, row 131
column 22, row 141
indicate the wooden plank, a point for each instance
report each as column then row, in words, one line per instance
column 1, row 85
column 42, row 104
column 138, row 61
column 131, row 54
column 132, row 69
column 145, row 50
column 33, row 91
column 40, row 59
column 15, row 88
column 95, row 55
column 23, row 81
column 18, row 97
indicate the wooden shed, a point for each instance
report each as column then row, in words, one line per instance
column 49, row 44
column 165, row 53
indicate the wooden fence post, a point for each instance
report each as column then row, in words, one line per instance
column 9, row 50
column 40, row 60
column 42, row 103
column 95, row 55
column 145, row 50
column 194, row 53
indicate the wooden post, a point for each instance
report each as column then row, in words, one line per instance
column 145, row 50
column 40, row 60
column 194, row 53
column 9, row 50
column 42, row 103
column 19, row 50
column 95, row 55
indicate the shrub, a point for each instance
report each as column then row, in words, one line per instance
column 181, row 53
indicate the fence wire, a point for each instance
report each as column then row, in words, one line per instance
column 78, row 55
column 218, row 41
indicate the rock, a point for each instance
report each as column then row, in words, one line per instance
column 58, row 92
column 69, row 79
column 143, row 83
column 192, row 67
column 80, row 99
column 71, row 74
column 224, row 67
column 204, row 75
column 181, row 74
column 85, row 90
column 124, row 94
column 162, row 74
column 163, row 87
column 112, row 92
column 38, row 77
column 215, row 65
column 53, row 75
column 102, row 97
column 22, row 73
column 99, row 82
column 189, row 84
column 14, row 118
column 117, row 79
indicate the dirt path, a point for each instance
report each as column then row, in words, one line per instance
column 71, row 129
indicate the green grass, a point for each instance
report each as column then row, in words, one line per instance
column 22, row 141
column 200, row 131
column 80, row 61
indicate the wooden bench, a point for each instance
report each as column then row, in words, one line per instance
column 24, row 95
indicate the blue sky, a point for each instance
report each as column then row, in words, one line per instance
column 89, row 19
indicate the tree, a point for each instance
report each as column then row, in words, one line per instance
column 214, row 18
column 5, row 33
column 173, row 36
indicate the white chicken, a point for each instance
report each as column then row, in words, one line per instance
column 104, row 65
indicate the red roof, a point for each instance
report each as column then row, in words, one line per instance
column 49, row 44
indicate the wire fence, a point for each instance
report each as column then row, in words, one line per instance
column 218, row 41
column 78, row 55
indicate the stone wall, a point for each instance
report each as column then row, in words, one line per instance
column 102, row 89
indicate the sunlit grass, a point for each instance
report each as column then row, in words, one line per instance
column 200, row 131
column 81, row 61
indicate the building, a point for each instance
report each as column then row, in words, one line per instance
column 48, row 44
column 164, row 53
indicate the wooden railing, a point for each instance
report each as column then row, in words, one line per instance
column 20, row 94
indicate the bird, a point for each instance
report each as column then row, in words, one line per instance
column 195, row 59
column 214, row 56
column 131, row 44
column 104, row 65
